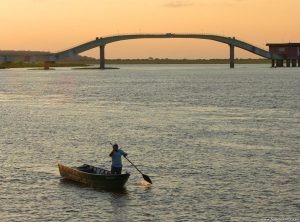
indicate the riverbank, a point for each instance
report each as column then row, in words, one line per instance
column 132, row 61
column 8, row 65
column 186, row 61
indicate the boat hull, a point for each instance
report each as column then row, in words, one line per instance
column 101, row 179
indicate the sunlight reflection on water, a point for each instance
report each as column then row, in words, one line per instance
column 218, row 144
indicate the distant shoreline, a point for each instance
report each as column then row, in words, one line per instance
column 132, row 61
column 186, row 61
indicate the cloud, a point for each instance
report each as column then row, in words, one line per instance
column 177, row 4
column 185, row 3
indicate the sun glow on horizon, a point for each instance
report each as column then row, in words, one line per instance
column 56, row 25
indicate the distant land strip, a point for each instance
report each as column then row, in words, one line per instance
column 186, row 61
column 78, row 60
column 93, row 62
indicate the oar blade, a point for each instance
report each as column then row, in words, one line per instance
column 147, row 178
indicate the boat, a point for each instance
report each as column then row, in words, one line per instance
column 94, row 176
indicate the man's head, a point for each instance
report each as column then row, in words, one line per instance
column 115, row 147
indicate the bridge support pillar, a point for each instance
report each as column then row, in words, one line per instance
column 294, row 62
column 288, row 63
column 102, row 57
column 231, row 56
column 273, row 63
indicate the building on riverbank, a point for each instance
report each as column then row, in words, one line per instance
column 290, row 52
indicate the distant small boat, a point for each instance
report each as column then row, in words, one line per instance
column 94, row 176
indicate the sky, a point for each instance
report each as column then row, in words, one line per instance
column 56, row 25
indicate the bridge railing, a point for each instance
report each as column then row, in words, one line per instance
column 139, row 33
column 129, row 34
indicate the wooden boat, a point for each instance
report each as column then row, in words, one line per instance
column 94, row 176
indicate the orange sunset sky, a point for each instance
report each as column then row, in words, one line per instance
column 55, row 25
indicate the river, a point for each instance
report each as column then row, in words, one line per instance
column 219, row 144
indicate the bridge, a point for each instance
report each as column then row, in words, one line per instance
column 101, row 42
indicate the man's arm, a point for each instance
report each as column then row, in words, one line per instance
column 124, row 154
column 111, row 153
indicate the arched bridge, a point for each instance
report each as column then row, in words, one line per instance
column 102, row 42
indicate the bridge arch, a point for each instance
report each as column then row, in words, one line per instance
column 103, row 41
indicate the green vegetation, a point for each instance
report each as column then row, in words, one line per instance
column 83, row 61
column 8, row 65
column 131, row 61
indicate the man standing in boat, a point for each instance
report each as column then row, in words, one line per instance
column 116, row 155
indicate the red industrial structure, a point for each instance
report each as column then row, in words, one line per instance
column 290, row 52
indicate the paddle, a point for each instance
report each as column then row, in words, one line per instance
column 147, row 178
column 144, row 176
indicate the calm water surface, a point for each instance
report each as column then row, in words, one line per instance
column 219, row 144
